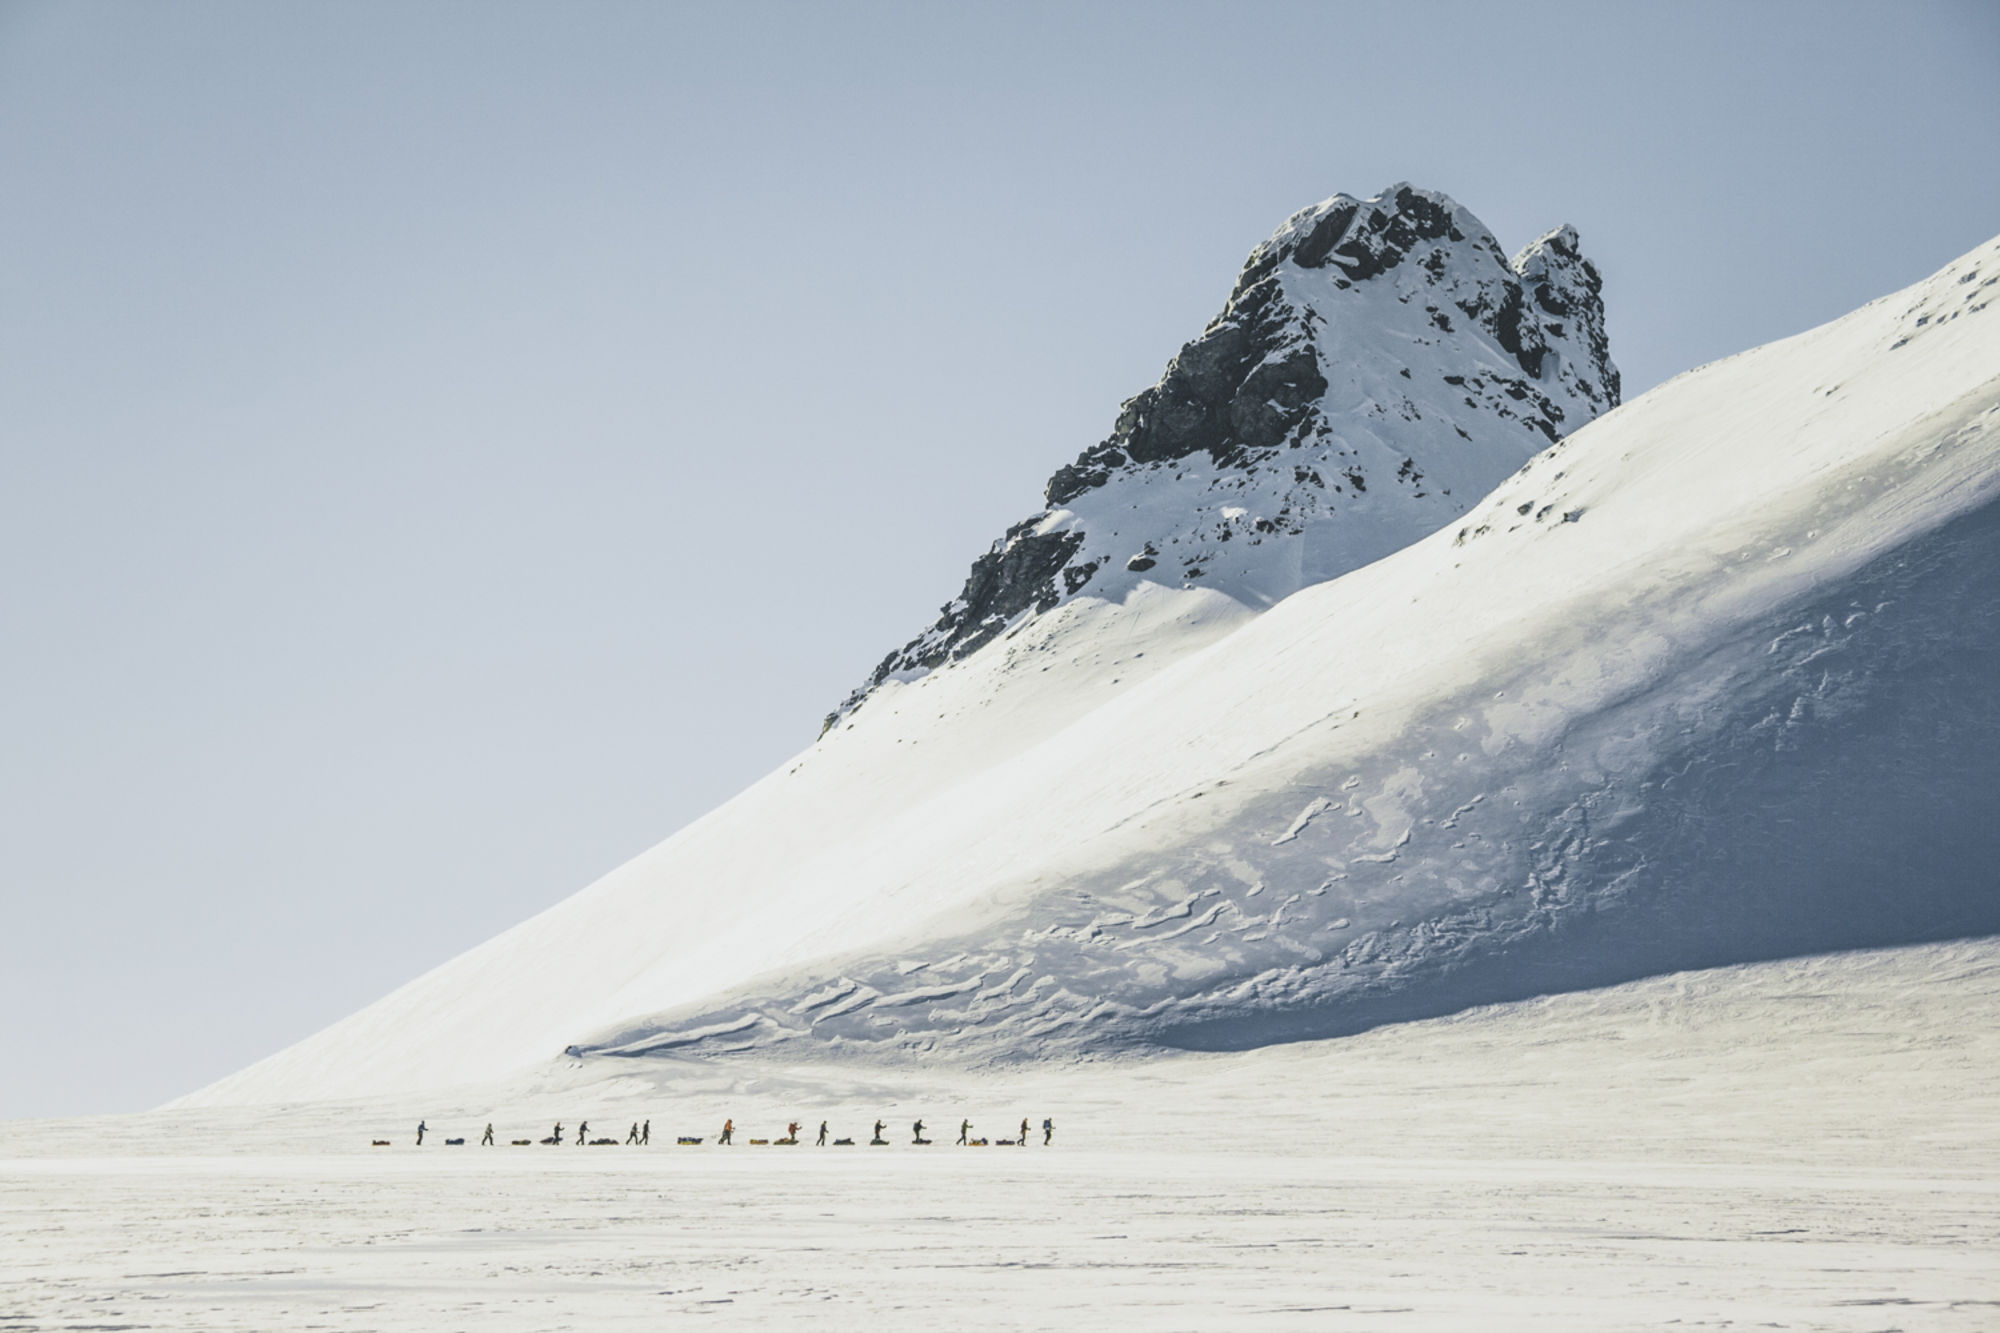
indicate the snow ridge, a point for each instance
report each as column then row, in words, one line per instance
column 1747, row 711
column 1710, row 680
column 1379, row 366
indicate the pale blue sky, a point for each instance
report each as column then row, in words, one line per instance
column 447, row 447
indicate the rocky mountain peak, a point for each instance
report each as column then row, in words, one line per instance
column 1380, row 365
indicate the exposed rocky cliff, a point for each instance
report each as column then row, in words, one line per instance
column 1379, row 366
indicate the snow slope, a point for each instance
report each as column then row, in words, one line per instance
column 1713, row 679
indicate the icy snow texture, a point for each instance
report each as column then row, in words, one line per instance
column 1714, row 679
column 1380, row 365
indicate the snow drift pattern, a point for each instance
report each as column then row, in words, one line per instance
column 1824, row 780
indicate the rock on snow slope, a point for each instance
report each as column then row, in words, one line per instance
column 1712, row 679
column 1380, row 365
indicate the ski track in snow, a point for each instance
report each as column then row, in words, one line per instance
column 1808, row 1145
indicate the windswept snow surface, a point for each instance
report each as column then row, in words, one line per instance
column 1713, row 679
column 1808, row 1144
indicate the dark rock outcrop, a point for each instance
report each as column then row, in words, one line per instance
column 1247, row 412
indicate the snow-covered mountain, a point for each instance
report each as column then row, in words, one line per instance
column 1715, row 678
column 1379, row 366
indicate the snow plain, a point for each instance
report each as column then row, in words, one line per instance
column 1811, row 1144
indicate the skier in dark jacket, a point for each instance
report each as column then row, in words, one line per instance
column 964, row 1128
column 646, row 1134
column 633, row 1137
column 487, row 1141
column 1048, row 1131
column 878, row 1134
column 1023, row 1140
column 917, row 1133
column 822, row 1135
column 555, row 1135
column 421, row 1127
column 582, row 1133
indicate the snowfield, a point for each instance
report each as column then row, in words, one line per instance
column 1807, row 1145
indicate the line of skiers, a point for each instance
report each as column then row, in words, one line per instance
column 641, row 1134
column 728, row 1135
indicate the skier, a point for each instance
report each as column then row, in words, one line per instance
column 487, row 1142
column 917, row 1132
column 878, row 1134
column 1023, row 1140
column 646, row 1134
column 633, row 1136
column 822, row 1135
column 792, row 1132
column 1048, row 1131
column 964, row 1127
column 555, row 1136
column 582, row 1133
column 728, row 1128
column 421, row 1127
